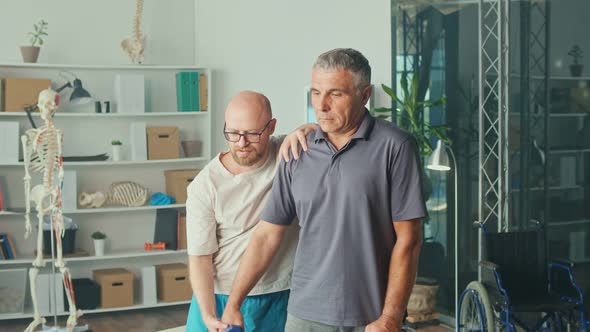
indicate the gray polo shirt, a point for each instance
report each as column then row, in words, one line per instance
column 346, row 201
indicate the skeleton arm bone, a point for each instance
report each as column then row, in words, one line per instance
column 27, row 180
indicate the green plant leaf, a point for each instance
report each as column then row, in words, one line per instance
column 381, row 110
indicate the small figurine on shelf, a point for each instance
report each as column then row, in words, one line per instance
column 154, row 246
column 116, row 150
column 99, row 240
column 576, row 53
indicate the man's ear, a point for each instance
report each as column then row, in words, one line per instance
column 271, row 126
column 366, row 94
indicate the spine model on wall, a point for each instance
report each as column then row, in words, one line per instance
column 135, row 45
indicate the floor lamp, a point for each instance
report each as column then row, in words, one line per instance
column 439, row 161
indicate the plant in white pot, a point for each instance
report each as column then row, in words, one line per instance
column 99, row 240
column 31, row 53
column 116, row 149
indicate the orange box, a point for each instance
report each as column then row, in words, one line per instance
column 173, row 283
column 116, row 287
column 22, row 92
column 177, row 181
column 163, row 143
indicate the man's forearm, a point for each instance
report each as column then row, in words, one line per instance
column 201, row 278
column 255, row 261
column 402, row 275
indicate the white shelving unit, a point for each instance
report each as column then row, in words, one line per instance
column 122, row 163
column 29, row 311
column 89, row 133
column 121, row 254
column 109, row 115
column 109, row 209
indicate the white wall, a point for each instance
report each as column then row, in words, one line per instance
column 262, row 45
column 270, row 46
column 90, row 32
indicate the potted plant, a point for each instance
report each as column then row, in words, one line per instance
column 576, row 53
column 116, row 149
column 99, row 239
column 31, row 53
column 409, row 117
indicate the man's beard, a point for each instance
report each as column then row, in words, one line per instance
column 251, row 160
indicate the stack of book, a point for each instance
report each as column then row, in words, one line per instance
column 7, row 250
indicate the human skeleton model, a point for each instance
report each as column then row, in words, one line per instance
column 42, row 150
column 135, row 45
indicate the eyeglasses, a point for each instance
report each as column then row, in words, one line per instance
column 232, row 136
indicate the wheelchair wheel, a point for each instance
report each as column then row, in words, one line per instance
column 475, row 311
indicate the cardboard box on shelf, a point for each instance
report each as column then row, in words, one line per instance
column 173, row 282
column 579, row 100
column 163, row 143
column 116, row 287
column 22, row 92
column 177, row 181
column 181, row 231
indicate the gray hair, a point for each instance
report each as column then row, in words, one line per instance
column 346, row 59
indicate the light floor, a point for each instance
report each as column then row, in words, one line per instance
column 145, row 320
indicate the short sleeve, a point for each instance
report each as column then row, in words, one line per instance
column 201, row 225
column 407, row 200
column 280, row 206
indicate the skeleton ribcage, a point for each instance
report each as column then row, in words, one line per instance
column 45, row 154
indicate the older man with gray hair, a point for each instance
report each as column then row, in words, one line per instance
column 357, row 194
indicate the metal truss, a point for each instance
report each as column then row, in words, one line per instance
column 411, row 42
column 493, row 113
column 534, row 64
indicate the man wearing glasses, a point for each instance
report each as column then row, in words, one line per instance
column 223, row 207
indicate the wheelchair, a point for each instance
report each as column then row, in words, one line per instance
column 517, row 283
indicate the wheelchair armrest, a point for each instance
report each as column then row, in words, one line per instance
column 561, row 281
column 492, row 280
column 561, row 261
column 489, row 265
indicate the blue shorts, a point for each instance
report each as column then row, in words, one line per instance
column 262, row 313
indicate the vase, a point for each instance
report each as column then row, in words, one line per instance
column 576, row 70
column 30, row 53
column 192, row 148
column 99, row 247
column 116, row 152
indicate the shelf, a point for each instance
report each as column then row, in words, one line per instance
column 10, row 213
column 551, row 188
column 107, row 115
column 114, row 255
column 569, row 151
column 126, row 209
column 557, row 115
column 29, row 313
column 99, row 67
column 20, row 211
column 561, row 78
column 121, row 163
column 540, row 77
column 568, row 223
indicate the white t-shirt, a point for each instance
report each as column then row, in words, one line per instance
column 222, row 213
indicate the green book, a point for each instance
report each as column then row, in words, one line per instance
column 194, row 91
column 183, row 91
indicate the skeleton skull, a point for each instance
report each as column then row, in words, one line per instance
column 48, row 101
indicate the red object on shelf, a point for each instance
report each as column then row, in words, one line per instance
column 154, row 246
column 1, row 199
